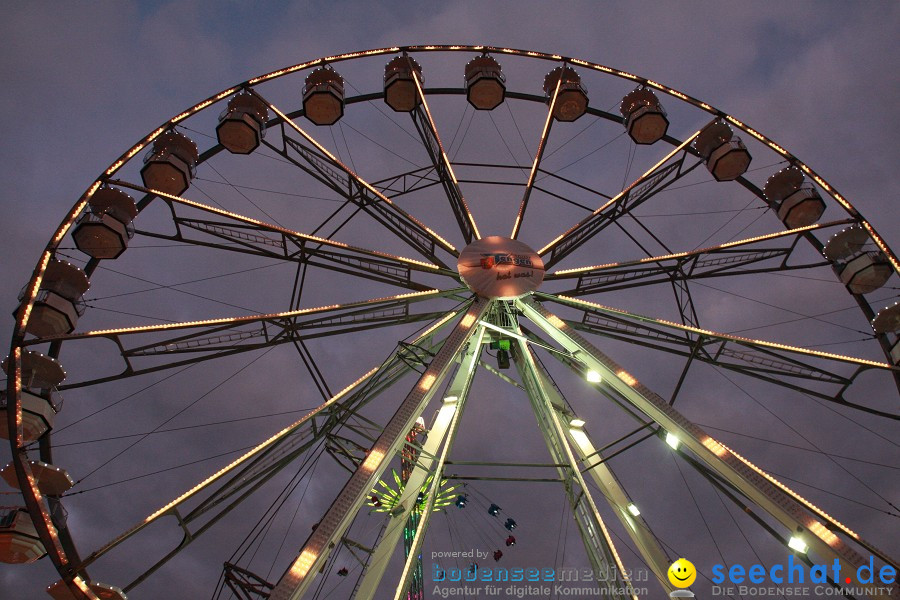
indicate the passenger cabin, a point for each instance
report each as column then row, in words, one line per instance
column 50, row 480
column 400, row 91
column 40, row 375
column 727, row 158
column 171, row 164
column 323, row 96
column 242, row 125
column 643, row 116
column 485, row 83
column 19, row 541
column 60, row 591
column 797, row 201
column 104, row 229
column 887, row 321
column 572, row 101
column 59, row 302
column 858, row 262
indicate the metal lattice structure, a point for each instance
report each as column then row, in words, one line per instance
column 440, row 312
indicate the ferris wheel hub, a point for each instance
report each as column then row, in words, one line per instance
column 500, row 268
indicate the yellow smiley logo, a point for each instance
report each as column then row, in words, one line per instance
column 682, row 573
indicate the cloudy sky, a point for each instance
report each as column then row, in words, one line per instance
column 85, row 82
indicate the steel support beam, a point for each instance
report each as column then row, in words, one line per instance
column 591, row 462
column 454, row 403
column 298, row 577
column 597, row 540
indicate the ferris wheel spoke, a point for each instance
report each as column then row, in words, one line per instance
column 299, row 576
column 819, row 530
column 425, row 125
column 743, row 257
column 538, row 156
column 312, row 157
column 667, row 171
column 238, row 233
column 550, row 414
column 793, row 367
column 592, row 462
column 199, row 341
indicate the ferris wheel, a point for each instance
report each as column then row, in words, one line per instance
column 357, row 303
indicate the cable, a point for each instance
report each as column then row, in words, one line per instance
column 807, row 440
column 217, row 386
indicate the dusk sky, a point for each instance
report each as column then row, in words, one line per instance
column 86, row 81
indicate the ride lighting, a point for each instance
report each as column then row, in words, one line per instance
column 593, row 377
column 672, row 440
column 450, row 399
column 576, row 423
column 633, row 509
column 797, row 544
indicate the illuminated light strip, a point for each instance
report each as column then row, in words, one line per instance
column 304, row 563
column 446, row 160
column 750, row 240
column 251, row 318
column 538, row 156
column 427, row 382
column 257, row 449
column 794, row 495
column 437, row 325
column 736, row 338
column 275, row 228
column 28, row 304
column 615, row 198
column 359, row 180
column 880, row 243
column 627, row 377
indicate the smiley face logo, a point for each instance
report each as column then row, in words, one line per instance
column 682, row 573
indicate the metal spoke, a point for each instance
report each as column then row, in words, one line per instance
column 215, row 338
column 538, row 156
column 770, row 361
column 315, row 550
column 663, row 174
column 324, row 166
column 424, row 122
column 252, row 236
column 728, row 259
column 819, row 530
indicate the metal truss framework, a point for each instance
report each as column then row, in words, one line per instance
column 366, row 450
